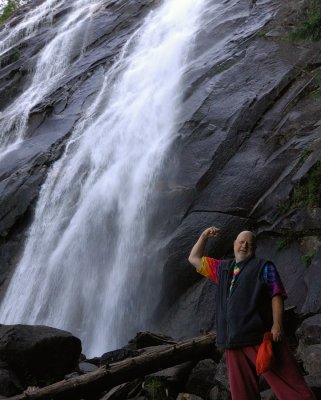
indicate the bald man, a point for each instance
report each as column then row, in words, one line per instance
column 249, row 302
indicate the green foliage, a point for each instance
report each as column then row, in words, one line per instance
column 283, row 208
column 306, row 153
column 14, row 56
column 311, row 28
column 261, row 33
column 307, row 194
column 317, row 93
column 307, row 258
column 10, row 7
column 154, row 389
column 225, row 66
column 222, row 68
column 281, row 244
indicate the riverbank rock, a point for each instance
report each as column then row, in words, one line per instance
column 148, row 339
column 314, row 382
column 309, row 346
column 38, row 355
column 9, row 382
column 309, row 331
column 188, row 396
column 201, row 379
column 311, row 357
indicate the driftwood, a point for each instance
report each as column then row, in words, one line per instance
column 107, row 377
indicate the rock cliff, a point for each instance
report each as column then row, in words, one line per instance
column 246, row 153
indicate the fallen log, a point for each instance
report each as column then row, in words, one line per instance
column 106, row 377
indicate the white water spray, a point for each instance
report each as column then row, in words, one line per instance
column 51, row 65
column 12, row 36
column 87, row 265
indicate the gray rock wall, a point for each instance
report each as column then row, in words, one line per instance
column 248, row 133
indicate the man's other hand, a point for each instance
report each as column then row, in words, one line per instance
column 277, row 333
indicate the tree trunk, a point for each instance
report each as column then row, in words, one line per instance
column 107, row 377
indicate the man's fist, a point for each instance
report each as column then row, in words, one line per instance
column 211, row 232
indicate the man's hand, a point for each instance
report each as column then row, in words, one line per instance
column 210, row 232
column 195, row 258
column 277, row 332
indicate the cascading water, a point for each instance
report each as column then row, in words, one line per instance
column 12, row 36
column 51, row 65
column 87, row 264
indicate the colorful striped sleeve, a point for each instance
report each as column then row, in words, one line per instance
column 273, row 281
column 210, row 268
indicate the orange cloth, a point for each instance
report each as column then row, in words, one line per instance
column 264, row 357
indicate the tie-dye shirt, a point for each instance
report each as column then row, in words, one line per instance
column 210, row 269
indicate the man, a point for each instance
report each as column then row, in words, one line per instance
column 250, row 302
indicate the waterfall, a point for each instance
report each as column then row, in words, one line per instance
column 51, row 65
column 88, row 265
column 11, row 37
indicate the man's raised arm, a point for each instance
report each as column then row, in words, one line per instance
column 195, row 258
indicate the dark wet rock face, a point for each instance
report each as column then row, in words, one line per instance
column 252, row 137
column 248, row 134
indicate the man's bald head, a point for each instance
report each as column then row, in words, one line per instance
column 244, row 246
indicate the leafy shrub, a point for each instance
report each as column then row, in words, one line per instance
column 307, row 194
column 10, row 7
column 311, row 28
column 307, row 258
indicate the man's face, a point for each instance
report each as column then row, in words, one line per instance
column 244, row 246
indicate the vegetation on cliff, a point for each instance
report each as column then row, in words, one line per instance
column 306, row 194
column 311, row 27
column 9, row 8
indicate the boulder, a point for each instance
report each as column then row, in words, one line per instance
column 268, row 395
column 309, row 333
column 217, row 393
column 221, row 376
column 115, row 356
column 39, row 355
column 85, row 367
column 188, row 396
column 124, row 391
column 314, row 382
column 9, row 383
column 71, row 375
column 313, row 277
column 201, row 379
column 148, row 339
column 310, row 330
column 311, row 357
column 173, row 379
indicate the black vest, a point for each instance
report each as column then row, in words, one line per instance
column 245, row 314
